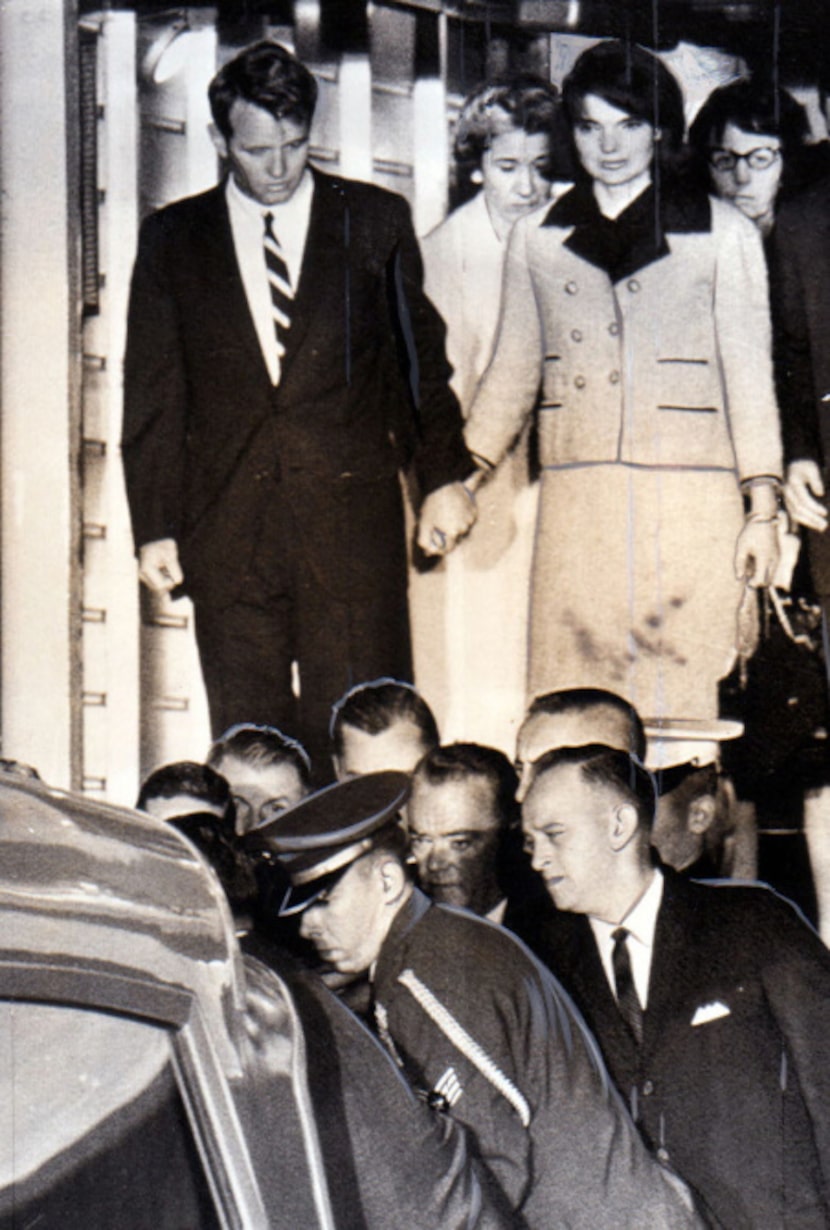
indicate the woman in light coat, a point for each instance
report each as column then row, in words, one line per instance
column 650, row 337
column 470, row 611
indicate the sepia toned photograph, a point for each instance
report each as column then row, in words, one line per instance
column 414, row 598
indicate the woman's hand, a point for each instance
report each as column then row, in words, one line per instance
column 756, row 552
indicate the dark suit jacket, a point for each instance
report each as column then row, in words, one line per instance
column 363, row 389
column 739, row 1103
column 800, row 273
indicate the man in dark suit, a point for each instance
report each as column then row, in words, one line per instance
column 282, row 365
column 464, row 835
column 710, row 1002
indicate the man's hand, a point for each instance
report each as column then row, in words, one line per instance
column 801, row 491
column 158, row 565
column 756, row 552
column 447, row 514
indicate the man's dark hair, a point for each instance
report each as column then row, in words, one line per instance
column 756, row 106
column 261, row 747
column 268, row 76
column 375, row 706
column 578, row 700
column 198, row 781
column 606, row 766
column 458, row 762
column 633, row 80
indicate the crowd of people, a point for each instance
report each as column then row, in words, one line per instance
column 604, row 375
column 703, row 1007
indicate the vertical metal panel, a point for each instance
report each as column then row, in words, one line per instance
column 39, row 421
column 176, row 159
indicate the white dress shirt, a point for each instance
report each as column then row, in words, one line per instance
column 641, row 924
column 290, row 223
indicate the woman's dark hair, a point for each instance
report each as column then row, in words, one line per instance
column 753, row 106
column 524, row 102
column 268, row 76
column 633, row 80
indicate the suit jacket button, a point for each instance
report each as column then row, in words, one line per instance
column 579, row 382
column 662, row 1155
column 648, row 1089
column 633, row 285
column 576, row 335
column 571, row 288
column 613, row 328
column 614, row 377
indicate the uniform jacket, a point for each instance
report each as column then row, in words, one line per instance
column 801, row 308
column 573, row 1159
column 665, row 363
column 363, row 391
column 732, row 1082
column 389, row 1162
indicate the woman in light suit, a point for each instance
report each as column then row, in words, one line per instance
column 469, row 613
column 650, row 337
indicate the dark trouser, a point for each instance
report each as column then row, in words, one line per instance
column 343, row 618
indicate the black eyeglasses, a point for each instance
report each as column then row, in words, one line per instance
column 757, row 159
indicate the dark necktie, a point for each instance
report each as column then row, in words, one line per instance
column 627, row 1000
column 279, row 280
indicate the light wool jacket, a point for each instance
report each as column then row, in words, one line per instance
column 669, row 366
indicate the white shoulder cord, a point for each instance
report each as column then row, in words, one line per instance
column 466, row 1044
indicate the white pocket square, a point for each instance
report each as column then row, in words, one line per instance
column 710, row 1012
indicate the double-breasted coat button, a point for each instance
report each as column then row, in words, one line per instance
column 614, row 377
column 633, row 285
column 571, row 288
column 576, row 335
column 613, row 328
column 579, row 381
column 648, row 1088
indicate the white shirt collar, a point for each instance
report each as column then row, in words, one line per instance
column 296, row 208
column 641, row 924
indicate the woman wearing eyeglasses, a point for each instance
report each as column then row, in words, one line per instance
column 751, row 137
column 651, row 340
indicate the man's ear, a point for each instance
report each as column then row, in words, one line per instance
column 393, row 878
column 702, row 814
column 220, row 143
column 624, row 825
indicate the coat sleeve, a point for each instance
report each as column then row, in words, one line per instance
column 791, row 342
column 510, row 385
column 155, row 392
column 439, row 455
column 743, row 329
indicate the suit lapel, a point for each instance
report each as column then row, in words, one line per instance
column 578, row 959
column 323, row 262
column 671, row 979
column 214, row 248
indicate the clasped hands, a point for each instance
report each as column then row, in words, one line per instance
column 447, row 514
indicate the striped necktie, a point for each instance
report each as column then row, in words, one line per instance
column 627, row 998
column 279, row 280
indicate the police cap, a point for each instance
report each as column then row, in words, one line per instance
column 318, row 838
